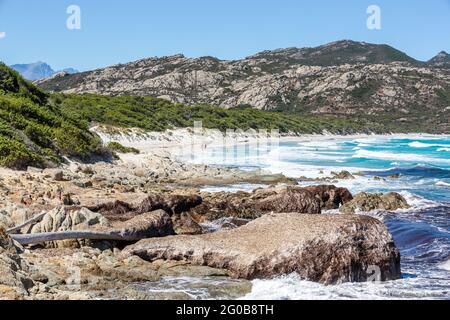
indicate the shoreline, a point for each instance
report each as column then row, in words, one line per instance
column 181, row 136
column 107, row 197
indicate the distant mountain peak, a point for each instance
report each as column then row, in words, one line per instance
column 442, row 59
column 37, row 70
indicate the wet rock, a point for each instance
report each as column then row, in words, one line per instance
column 343, row 175
column 366, row 202
column 329, row 249
column 331, row 196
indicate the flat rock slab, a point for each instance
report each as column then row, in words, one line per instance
column 329, row 249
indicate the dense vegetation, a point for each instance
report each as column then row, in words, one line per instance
column 154, row 114
column 35, row 132
column 41, row 129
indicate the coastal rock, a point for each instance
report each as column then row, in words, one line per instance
column 184, row 224
column 343, row 175
column 172, row 204
column 14, row 278
column 329, row 249
column 331, row 196
column 147, row 225
column 115, row 211
column 366, row 202
column 310, row 200
column 65, row 219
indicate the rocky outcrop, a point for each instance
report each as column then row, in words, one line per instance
column 310, row 200
column 172, row 204
column 65, row 218
column 331, row 197
column 70, row 227
column 366, row 202
column 213, row 206
column 329, row 249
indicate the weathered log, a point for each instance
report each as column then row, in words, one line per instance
column 37, row 238
column 148, row 225
column 37, row 218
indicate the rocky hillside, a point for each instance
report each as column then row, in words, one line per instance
column 441, row 60
column 341, row 78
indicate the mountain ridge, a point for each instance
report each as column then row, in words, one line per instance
column 343, row 78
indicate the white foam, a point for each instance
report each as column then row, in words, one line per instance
column 418, row 202
column 397, row 156
column 442, row 184
column 443, row 149
column 292, row 287
column 233, row 188
column 445, row 265
column 418, row 144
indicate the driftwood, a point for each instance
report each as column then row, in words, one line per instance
column 37, row 218
column 147, row 225
column 36, row 238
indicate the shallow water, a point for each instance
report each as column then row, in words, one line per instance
column 422, row 233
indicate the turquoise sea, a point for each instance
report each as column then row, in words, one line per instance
column 422, row 233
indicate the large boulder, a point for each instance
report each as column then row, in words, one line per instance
column 366, row 202
column 329, row 249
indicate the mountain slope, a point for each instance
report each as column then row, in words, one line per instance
column 35, row 132
column 344, row 78
column 337, row 53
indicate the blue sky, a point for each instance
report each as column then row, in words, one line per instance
column 117, row 31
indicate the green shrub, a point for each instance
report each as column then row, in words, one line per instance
column 117, row 147
column 36, row 132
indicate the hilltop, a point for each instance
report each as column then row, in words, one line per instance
column 344, row 78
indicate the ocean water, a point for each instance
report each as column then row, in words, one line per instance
column 422, row 233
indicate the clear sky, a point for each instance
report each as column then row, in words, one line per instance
column 118, row 31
